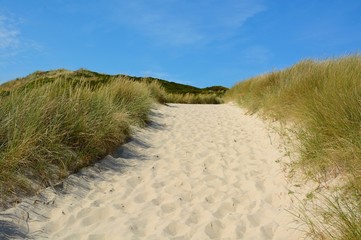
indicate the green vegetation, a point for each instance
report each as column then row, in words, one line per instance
column 323, row 99
column 52, row 130
column 54, row 123
column 191, row 98
column 95, row 79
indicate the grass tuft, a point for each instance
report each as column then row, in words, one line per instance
column 51, row 130
column 190, row 98
column 323, row 99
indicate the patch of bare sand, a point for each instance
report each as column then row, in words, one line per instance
column 197, row 172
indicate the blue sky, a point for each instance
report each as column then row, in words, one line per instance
column 196, row 42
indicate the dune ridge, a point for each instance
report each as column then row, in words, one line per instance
column 196, row 172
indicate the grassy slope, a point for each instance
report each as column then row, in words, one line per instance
column 323, row 98
column 174, row 92
column 51, row 130
column 98, row 78
column 56, row 122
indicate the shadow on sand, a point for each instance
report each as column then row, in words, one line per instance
column 14, row 222
column 10, row 230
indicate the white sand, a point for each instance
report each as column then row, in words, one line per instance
column 198, row 172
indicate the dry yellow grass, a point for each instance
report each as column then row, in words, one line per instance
column 51, row 130
column 324, row 99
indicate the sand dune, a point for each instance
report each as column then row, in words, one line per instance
column 197, row 172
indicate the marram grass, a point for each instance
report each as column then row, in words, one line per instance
column 323, row 98
column 190, row 98
column 52, row 127
column 52, row 130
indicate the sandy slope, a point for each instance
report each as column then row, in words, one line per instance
column 197, row 172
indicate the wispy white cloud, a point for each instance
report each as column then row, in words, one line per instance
column 9, row 34
column 11, row 42
column 255, row 55
column 178, row 22
column 232, row 14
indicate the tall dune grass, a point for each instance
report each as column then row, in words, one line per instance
column 323, row 98
column 52, row 127
column 51, row 130
column 190, row 98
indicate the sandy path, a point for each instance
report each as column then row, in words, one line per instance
column 197, row 172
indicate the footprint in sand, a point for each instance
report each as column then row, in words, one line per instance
column 97, row 203
column 141, row 198
column 134, row 181
column 95, row 215
column 172, row 189
column 258, row 217
column 136, row 230
column 260, row 185
column 193, row 218
column 175, row 228
column 240, row 230
column 224, row 209
column 53, row 226
column 186, row 196
column 128, row 207
column 268, row 230
column 158, row 185
column 214, row 229
column 169, row 207
column 216, row 196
